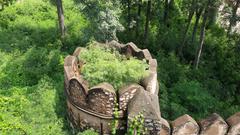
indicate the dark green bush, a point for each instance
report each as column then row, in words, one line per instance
column 191, row 98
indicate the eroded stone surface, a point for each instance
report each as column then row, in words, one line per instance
column 77, row 92
column 234, row 123
column 82, row 120
column 145, row 103
column 130, row 49
column 165, row 127
column 144, row 54
column 153, row 65
column 77, row 51
column 213, row 125
column 116, row 45
column 142, row 102
column 184, row 125
column 126, row 94
column 150, row 83
column 101, row 99
column 71, row 66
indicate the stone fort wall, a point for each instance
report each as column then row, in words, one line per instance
column 94, row 107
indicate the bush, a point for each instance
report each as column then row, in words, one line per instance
column 191, row 98
column 104, row 65
column 30, row 110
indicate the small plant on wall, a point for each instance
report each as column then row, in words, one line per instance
column 136, row 125
column 115, row 122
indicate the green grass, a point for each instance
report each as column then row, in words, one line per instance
column 105, row 65
column 32, row 99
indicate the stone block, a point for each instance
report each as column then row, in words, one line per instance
column 130, row 49
column 213, row 125
column 150, row 83
column 165, row 127
column 144, row 54
column 145, row 103
column 234, row 123
column 184, row 125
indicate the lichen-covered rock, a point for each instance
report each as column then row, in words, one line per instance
column 234, row 123
column 101, row 99
column 213, row 125
column 184, row 125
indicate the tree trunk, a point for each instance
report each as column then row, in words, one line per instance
column 60, row 17
column 147, row 22
column 138, row 17
column 165, row 13
column 167, row 6
column 234, row 15
column 202, row 37
column 190, row 15
column 129, row 13
column 198, row 15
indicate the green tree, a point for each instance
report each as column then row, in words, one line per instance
column 235, row 4
column 190, row 16
column 105, row 18
column 206, row 7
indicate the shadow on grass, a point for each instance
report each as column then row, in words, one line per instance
column 35, row 53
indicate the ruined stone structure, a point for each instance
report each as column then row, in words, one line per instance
column 94, row 107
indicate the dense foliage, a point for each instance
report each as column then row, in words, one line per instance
column 179, row 33
column 106, row 65
column 31, row 68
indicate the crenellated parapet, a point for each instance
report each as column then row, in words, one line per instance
column 95, row 107
column 212, row 125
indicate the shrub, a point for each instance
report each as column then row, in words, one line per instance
column 191, row 98
column 105, row 65
column 31, row 110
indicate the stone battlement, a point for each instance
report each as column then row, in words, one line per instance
column 94, row 107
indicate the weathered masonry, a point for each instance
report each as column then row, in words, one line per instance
column 94, row 107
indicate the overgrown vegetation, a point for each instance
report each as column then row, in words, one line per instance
column 106, row 65
column 31, row 67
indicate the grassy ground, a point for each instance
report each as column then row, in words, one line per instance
column 31, row 67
